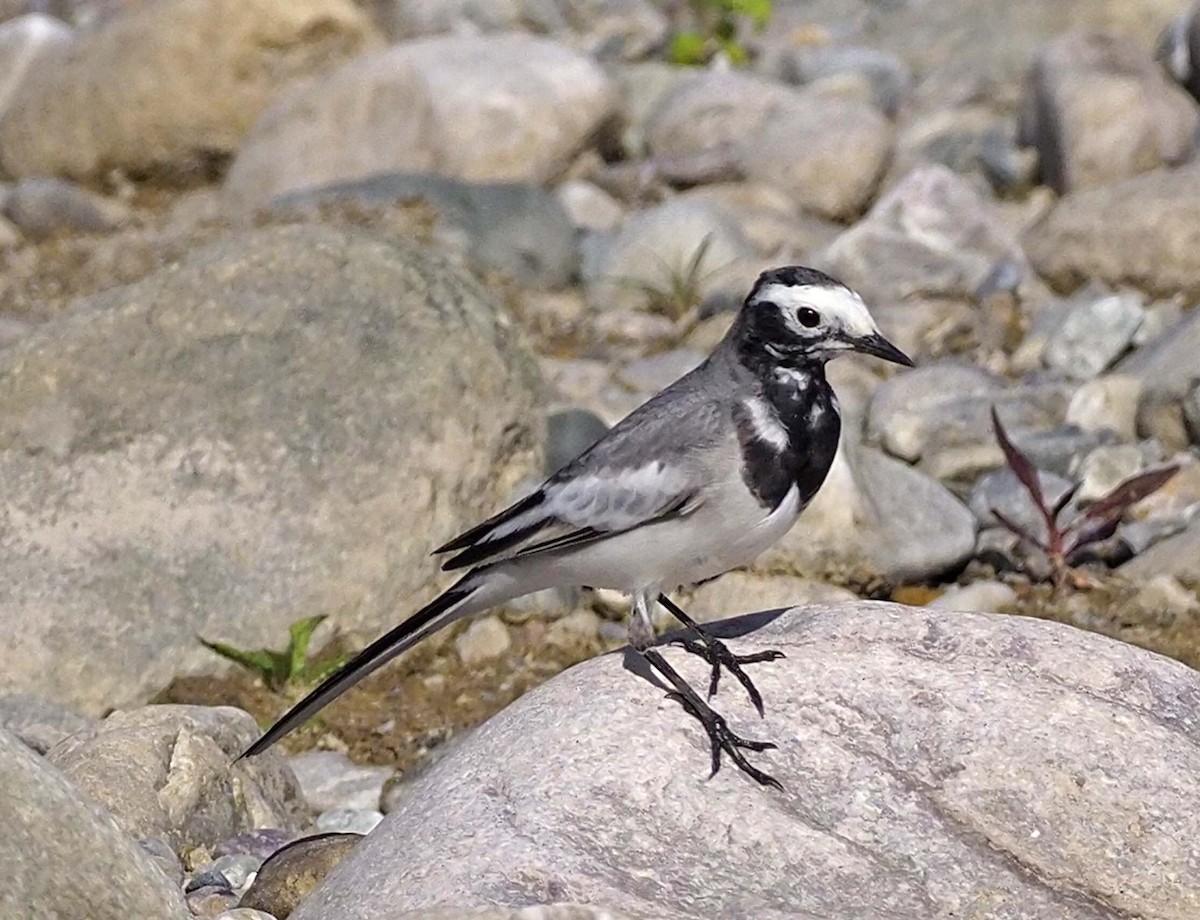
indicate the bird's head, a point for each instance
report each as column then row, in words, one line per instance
column 798, row 316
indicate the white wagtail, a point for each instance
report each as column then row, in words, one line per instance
column 697, row 481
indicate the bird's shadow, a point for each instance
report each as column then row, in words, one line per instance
column 731, row 628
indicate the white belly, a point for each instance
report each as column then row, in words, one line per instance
column 717, row 537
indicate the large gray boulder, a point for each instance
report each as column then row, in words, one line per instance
column 1142, row 231
column 500, row 108
column 284, row 424
column 934, row 765
column 61, row 855
column 169, row 772
column 169, row 84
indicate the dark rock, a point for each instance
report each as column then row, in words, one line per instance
column 42, row 208
column 289, row 876
column 568, row 434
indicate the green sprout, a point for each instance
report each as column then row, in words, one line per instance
column 288, row 668
column 716, row 29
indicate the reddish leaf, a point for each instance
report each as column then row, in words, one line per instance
column 1021, row 465
column 1014, row 527
column 1065, row 499
column 1132, row 490
column 1093, row 533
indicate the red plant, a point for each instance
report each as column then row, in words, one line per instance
column 1098, row 521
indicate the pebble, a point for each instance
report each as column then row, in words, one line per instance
column 348, row 821
column 590, row 207
column 245, row 913
column 1094, row 333
column 1164, row 594
column 289, row 876
column 1105, row 468
column 1002, row 490
column 207, row 878
column 649, row 375
column 330, row 780
column 261, row 843
column 1191, row 412
column 484, row 640
column 569, row 432
column 164, row 857
column 210, row 901
column 579, row 629
column 238, row 870
column 977, row 597
column 1108, row 403
column 42, row 208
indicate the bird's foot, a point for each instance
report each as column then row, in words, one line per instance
column 717, row 654
column 723, row 738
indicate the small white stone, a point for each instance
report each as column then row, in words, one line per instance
column 483, row 640
column 1109, row 402
column 979, row 597
column 348, row 821
column 1164, row 594
column 1105, row 468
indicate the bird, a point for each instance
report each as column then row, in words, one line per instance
column 698, row 480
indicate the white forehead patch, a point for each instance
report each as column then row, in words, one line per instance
column 839, row 307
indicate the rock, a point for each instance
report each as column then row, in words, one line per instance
column 577, row 630
column 741, row 592
column 876, row 516
column 64, row 856
column 238, row 870
column 1177, row 556
column 229, row 456
column 1093, row 334
column 568, row 434
column 889, row 77
column 1105, row 468
column 1164, row 595
column 768, row 218
column 1098, row 109
column 485, row 639
column 37, row 722
column 539, row 912
column 245, row 913
column 827, row 154
column 518, row 229
column 25, row 42
column 1141, row 232
column 1107, row 403
column 329, row 779
column 210, row 901
column 164, row 857
column 41, row 208
column 589, row 206
column 941, row 417
column 992, row 752
column 1002, row 490
column 651, row 374
column 348, row 821
column 168, row 771
column 930, row 235
column 1166, row 366
column 259, row 843
column 1178, row 497
column 977, row 597
column 657, row 248
column 484, row 109
column 713, row 109
column 1009, row 168
column 291, row 874
column 642, row 86
column 167, row 85
column 903, row 410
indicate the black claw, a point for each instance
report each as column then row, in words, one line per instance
column 718, row 655
column 723, row 738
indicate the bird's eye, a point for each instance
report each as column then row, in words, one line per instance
column 808, row 317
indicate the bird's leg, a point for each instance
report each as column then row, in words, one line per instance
column 722, row 738
column 717, row 654
column 720, row 735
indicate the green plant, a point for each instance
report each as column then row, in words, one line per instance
column 717, row 24
column 1098, row 521
column 288, row 668
column 679, row 293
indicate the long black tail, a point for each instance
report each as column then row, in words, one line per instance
column 440, row 612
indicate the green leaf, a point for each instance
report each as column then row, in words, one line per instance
column 759, row 11
column 270, row 666
column 736, row 51
column 688, row 48
column 299, row 636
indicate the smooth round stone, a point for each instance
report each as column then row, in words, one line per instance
column 569, row 433
column 238, row 870
column 348, row 821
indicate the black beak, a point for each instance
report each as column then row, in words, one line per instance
column 880, row 347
